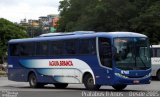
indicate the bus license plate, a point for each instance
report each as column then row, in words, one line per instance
column 136, row 81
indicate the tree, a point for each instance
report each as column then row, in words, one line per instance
column 70, row 13
column 34, row 31
column 97, row 15
column 148, row 21
column 8, row 30
column 140, row 16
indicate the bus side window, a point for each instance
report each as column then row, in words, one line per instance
column 57, row 48
column 105, row 52
column 14, row 50
column 87, row 46
column 158, row 52
column 70, row 47
column 153, row 52
column 28, row 49
column 42, row 49
column 22, row 50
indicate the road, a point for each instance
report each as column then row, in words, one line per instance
column 22, row 89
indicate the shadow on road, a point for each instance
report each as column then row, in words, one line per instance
column 154, row 78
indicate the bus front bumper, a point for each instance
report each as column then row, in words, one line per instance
column 132, row 81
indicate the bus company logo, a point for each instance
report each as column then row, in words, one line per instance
column 156, row 60
column 124, row 72
column 61, row 63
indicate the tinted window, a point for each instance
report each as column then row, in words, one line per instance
column 155, row 52
column 23, row 49
column 87, row 46
column 105, row 52
column 42, row 49
column 70, row 46
column 57, row 48
column 158, row 52
column 14, row 50
column 27, row 49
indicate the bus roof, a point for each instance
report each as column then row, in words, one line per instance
column 78, row 34
column 155, row 46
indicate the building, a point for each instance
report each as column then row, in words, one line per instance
column 43, row 20
column 24, row 23
column 49, row 22
column 34, row 23
column 55, row 22
column 45, row 24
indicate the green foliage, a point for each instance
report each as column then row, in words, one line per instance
column 9, row 30
column 34, row 31
column 142, row 16
column 148, row 21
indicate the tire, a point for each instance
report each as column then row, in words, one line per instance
column 158, row 75
column 119, row 87
column 60, row 85
column 33, row 81
column 89, row 82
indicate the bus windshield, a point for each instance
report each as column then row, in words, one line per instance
column 132, row 53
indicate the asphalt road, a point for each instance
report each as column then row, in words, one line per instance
column 22, row 89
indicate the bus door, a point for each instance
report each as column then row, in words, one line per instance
column 105, row 57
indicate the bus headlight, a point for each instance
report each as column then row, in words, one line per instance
column 120, row 75
column 149, row 75
column 123, row 76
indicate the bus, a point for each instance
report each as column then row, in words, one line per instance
column 94, row 59
column 155, row 61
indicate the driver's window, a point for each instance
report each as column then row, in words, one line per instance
column 105, row 52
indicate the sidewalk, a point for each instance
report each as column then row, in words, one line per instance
column 3, row 73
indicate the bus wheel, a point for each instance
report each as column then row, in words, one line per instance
column 119, row 87
column 60, row 85
column 33, row 81
column 158, row 75
column 89, row 82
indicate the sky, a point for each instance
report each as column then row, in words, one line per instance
column 17, row 10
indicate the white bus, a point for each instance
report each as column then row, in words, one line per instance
column 155, row 61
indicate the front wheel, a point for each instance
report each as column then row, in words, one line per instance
column 119, row 87
column 89, row 83
column 60, row 85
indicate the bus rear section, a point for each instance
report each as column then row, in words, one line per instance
column 116, row 59
column 155, row 61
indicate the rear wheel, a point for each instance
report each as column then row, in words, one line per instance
column 119, row 87
column 60, row 85
column 158, row 75
column 33, row 81
column 89, row 82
